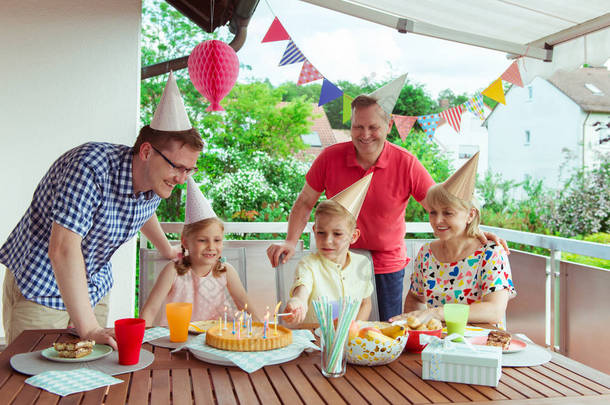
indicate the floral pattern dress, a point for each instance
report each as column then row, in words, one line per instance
column 463, row 282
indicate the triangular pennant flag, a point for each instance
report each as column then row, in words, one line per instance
column 454, row 117
column 292, row 54
column 475, row 106
column 308, row 74
column 512, row 75
column 495, row 91
column 403, row 123
column 429, row 123
column 347, row 107
column 329, row 92
column 276, row 32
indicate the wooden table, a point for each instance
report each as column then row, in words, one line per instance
column 182, row 379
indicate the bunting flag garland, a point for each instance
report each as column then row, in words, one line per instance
column 495, row 91
column 347, row 107
column 475, row 106
column 403, row 123
column 292, row 54
column 454, row 117
column 512, row 75
column 429, row 124
column 329, row 92
column 276, row 32
column 308, row 74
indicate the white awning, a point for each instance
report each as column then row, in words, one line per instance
column 564, row 33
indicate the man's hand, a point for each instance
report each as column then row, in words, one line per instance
column 101, row 336
column 485, row 236
column 275, row 251
column 298, row 310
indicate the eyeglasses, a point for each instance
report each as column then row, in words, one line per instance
column 178, row 169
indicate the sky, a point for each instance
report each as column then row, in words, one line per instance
column 343, row 47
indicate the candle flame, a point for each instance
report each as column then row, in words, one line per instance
column 246, row 307
column 277, row 307
column 267, row 315
column 237, row 313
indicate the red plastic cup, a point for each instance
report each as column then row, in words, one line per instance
column 129, row 334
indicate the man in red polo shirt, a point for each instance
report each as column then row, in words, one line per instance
column 397, row 175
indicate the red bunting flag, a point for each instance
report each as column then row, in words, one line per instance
column 308, row 74
column 403, row 123
column 276, row 32
column 454, row 117
column 512, row 75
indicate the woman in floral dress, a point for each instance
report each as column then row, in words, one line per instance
column 456, row 267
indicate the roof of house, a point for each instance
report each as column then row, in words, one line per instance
column 587, row 87
column 321, row 127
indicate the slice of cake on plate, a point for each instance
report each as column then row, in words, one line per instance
column 499, row 338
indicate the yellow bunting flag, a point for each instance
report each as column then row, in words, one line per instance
column 495, row 91
column 347, row 107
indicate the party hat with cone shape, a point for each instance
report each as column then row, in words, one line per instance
column 352, row 197
column 197, row 206
column 461, row 183
column 170, row 114
column 387, row 95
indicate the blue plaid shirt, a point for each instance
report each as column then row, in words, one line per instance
column 88, row 190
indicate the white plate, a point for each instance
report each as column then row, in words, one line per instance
column 98, row 352
column 222, row 361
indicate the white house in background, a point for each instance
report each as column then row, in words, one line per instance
column 460, row 147
column 551, row 127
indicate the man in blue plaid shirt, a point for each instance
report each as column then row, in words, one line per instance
column 93, row 199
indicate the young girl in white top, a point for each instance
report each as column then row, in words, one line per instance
column 201, row 276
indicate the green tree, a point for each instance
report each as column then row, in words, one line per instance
column 254, row 123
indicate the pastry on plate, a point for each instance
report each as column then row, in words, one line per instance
column 74, row 348
column 499, row 338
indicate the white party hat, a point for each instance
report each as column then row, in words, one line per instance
column 387, row 95
column 171, row 114
column 461, row 183
column 352, row 197
column 197, row 206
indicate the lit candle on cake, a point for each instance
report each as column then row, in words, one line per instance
column 277, row 308
column 265, row 325
column 225, row 327
column 239, row 328
column 234, row 318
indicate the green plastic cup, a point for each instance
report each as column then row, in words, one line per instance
column 456, row 317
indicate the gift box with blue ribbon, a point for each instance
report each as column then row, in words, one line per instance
column 444, row 360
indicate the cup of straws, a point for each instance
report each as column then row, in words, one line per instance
column 333, row 341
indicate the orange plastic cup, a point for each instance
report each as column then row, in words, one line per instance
column 178, row 318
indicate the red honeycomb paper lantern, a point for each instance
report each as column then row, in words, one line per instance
column 213, row 68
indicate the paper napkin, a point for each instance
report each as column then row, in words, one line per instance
column 68, row 382
column 155, row 333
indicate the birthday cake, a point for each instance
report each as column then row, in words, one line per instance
column 225, row 339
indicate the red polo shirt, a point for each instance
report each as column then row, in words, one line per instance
column 397, row 176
